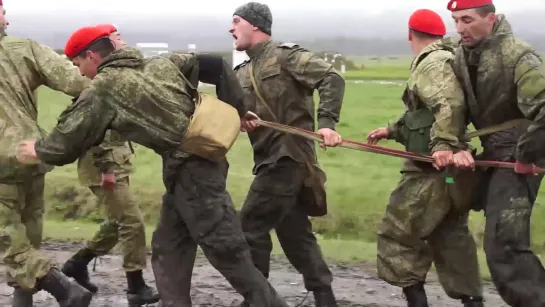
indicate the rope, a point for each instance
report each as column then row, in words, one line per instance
column 378, row 149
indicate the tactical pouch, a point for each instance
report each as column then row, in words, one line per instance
column 416, row 130
column 464, row 190
column 213, row 128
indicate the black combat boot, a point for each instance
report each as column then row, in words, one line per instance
column 139, row 293
column 22, row 297
column 324, row 297
column 76, row 267
column 472, row 301
column 66, row 292
column 416, row 295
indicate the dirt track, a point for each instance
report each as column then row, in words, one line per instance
column 354, row 285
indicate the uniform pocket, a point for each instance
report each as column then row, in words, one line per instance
column 513, row 228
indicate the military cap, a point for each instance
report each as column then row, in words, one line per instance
column 427, row 21
column 82, row 38
column 110, row 28
column 457, row 5
column 258, row 14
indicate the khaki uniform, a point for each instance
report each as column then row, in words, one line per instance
column 503, row 79
column 422, row 224
column 25, row 65
column 287, row 76
column 124, row 222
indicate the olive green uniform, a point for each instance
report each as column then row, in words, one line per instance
column 422, row 224
column 287, row 76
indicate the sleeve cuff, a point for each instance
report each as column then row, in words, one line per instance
column 443, row 147
column 326, row 122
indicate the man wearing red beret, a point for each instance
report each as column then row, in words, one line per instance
column 503, row 79
column 105, row 170
column 424, row 223
column 27, row 65
column 151, row 102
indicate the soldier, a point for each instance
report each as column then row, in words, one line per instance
column 503, row 79
column 286, row 76
column 26, row 65
column 105, row 169
column 148, row 101
column 422, row 223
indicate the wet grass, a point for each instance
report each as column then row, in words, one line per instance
column 358, row 186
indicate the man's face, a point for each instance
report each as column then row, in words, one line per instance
column 242, row 32
column 472, row 27
column 87, row 64
column 116, row 38
column 3, row 20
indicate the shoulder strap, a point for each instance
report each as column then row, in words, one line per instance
column 261, row 100
column 519, row 122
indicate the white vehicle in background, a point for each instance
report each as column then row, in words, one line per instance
column 152, row 49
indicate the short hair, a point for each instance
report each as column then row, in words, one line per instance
column 423, row 35
column 483, row 11
column 103, row 47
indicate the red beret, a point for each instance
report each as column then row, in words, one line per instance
column 1, row 3
column 107, row 27
column 427, row 21
column 82, row 38
column 457, row 5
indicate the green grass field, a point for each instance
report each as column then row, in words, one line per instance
column 358, row 183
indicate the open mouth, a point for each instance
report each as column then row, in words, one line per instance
column 235, row 37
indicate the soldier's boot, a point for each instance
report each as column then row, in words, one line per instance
column 416, row 295
column 76, row 267
column 66, row 292
column 22, row 297
column 324, row 297
column 472, row 301
column 139, row 293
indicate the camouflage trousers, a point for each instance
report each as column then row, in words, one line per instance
column 198, row 211
column 272, row 203
column 124, row 225
column 422, row 226
column 21, row 228
column 508, row 199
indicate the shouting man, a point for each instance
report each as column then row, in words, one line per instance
column 286, row 76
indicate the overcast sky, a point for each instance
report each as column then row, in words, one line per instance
column 226, row 7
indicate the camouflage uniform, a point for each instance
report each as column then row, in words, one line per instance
column 286, row 75
column 422, row 224
column 147, row 102
column 503, row 79
column 124, row 223
column 25, row 66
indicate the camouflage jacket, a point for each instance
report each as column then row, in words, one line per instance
column 145, row 100
column 433, row 85
column 112, row 156
column 503, row 79
column 25, row 66
column 287, row 76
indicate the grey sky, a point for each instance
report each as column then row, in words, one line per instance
column 225, row 7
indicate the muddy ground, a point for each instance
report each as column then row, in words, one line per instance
column 354, row 285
